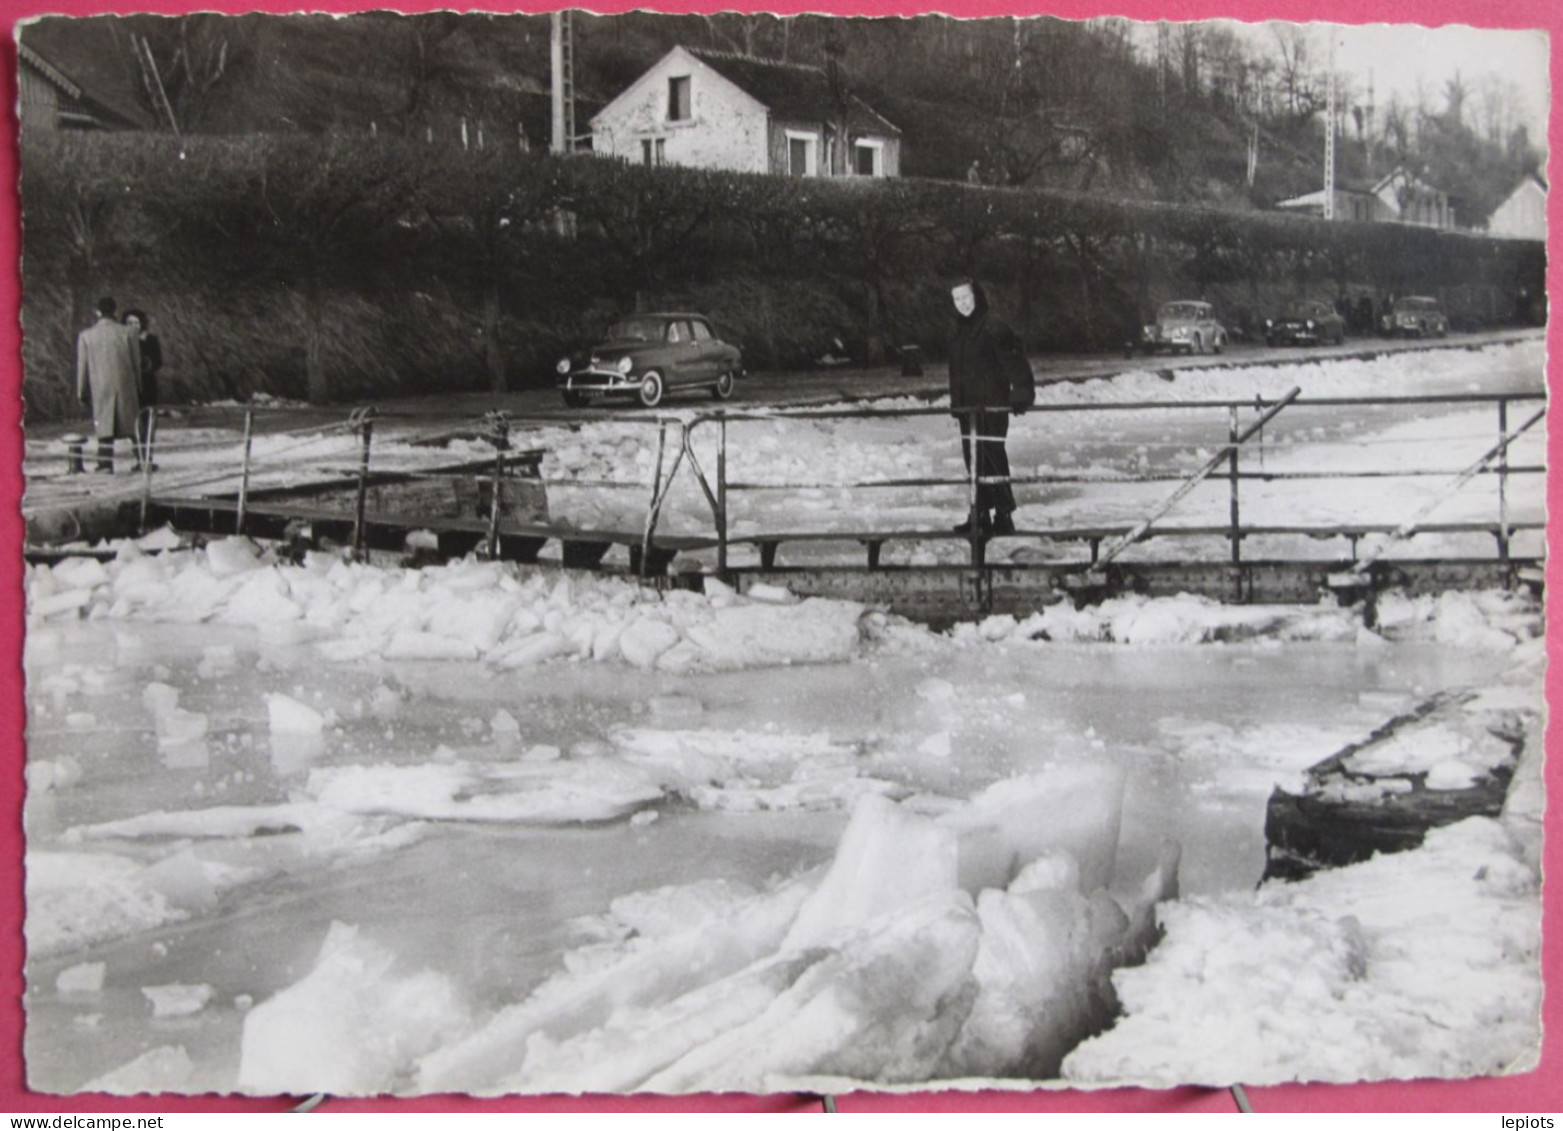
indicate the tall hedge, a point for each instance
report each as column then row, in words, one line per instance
column 342, row 267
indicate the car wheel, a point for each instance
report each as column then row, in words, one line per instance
column 651, row 389
column 1219, row 344
column 576, row 400
column 723, row 389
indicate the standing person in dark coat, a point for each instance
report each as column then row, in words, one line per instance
column 151, row 361
column 980, row 345
column 108, row 368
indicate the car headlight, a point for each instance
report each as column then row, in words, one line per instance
column 1310, row 323
column 563, row 366
column 625, row 365
column 1269, row 322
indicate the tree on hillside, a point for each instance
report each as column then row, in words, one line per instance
column 186, row 66
column 1296, row 71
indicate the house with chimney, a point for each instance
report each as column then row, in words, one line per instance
column 715, row 110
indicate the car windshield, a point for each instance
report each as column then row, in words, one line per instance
column 1415, row 304
column 1305, row 310
column 1182, row 310
column 636, row 330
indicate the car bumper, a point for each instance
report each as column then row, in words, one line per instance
column 596, row 383
column 1294, row 335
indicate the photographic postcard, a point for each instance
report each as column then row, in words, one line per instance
column 649, row 553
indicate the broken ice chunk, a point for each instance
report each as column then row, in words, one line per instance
column 83, row 978
column 288, row 716
column 177, row 1000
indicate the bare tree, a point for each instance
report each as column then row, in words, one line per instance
column 183, row 64
column 1294, row 55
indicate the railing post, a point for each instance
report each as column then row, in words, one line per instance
column 973, row 419
column 364, row 418
column 1237, row 536
column 496, row 504
column 721, row 500
column 244, row 471
column 656, row 498
column 1503, row 482
column 146, row 440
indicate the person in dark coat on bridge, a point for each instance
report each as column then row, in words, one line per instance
column 151, row 362
column 980, row 348
column 108, row 369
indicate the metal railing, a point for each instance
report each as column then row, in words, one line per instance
column 1235, row 530
column 679, row 442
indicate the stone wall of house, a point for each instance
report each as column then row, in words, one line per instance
column 726, row 128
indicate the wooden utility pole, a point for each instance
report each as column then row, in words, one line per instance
column 562, row 56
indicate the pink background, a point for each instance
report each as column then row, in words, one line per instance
column 1540, row 1091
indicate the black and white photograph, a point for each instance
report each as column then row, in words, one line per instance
column 730, row 553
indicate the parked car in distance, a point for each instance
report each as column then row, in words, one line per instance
column 645, row 356
column 1306, row 323
column 1416, row 316
column 1186, row 327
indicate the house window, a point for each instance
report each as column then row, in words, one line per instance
column 645, row 151
column 653, row 151
column 868, row 159
column 678, row 99
column 802, row 154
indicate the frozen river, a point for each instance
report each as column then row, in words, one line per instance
column 495, row 905
column 495, row 831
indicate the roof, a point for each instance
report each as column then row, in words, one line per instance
column 1315, row 199
column 794, row 91
column 91, row 60
column 1402, row 172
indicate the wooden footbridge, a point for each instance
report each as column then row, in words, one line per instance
column 497, row 506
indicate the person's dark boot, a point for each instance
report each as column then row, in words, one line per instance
column 105, row 462
column 976, row 523
column 1003, row 523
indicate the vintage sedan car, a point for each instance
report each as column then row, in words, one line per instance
column 1186, row 327
column 1305, row 324
column 644, row 356
column 1416, row 316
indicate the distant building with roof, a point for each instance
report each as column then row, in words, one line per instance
column 71, row 75
column 1350, row 204
column 720, row 111
column 1523, row 214
column 1399, row 197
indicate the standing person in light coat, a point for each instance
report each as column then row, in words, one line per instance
column 108, row 368
column 981, row 350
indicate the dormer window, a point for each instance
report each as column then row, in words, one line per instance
column 678, row 99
